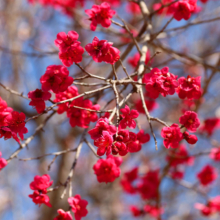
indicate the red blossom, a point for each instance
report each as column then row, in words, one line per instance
column 40, row 198
column 190, row 121
column 38, row 98
column 102, row 51
column 104, row 143
column 81, row 117
column 160, row 82
column 210, row 125
column 71, row 92
column 153, row 210
column 212, row 206
column 100, row 14
column 184, row 8
column 179, row 156
column 102, row 125
column 128, row 179
column 133, row 61
column 107, row 170
column 191, row 139
column 148, row 187
column 3, row 162
column 63, row 215
column 133, row 8
column 78, row 206
column 16, row 123
column 176, row 174
column 189, row 87
column 136, row 212
column 65, row 41
column 168, row 10
column 135, row 145
column 215, row 154
column 207, row 175
column 41, row 183
column 172, row 136
column 128, row 117
column 56, row 78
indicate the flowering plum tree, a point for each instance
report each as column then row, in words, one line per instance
column 109, row 109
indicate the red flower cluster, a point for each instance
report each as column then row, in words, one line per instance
column 153, row 211
column 113, row 2
column 40, row 185
column 102, row 51
column 63, row 215
column 190, row 121
column 160, row 82
column 12, row 123
column 189, row 87
column 107, row 170
column 3, row 162
column 38, row 98
column 66, row 6
column 207, row 175
column 128, row 117
column 172, row 136
column 70, row 49
column 210, row 125
column 212, row 206
column 56, row 78
column 133, row 61
column 78, row 117
column 133, row 8
column 180, row 10
column 78, row 206
column 215, row 154
column 105, row 138
column 100, row 14
column 146, row 186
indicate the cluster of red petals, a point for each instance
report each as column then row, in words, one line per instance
column 62, row 215
column 179, row 156
column 133, row 61
column 70, row 49
column 38, row 98
column 106, row 140
column 100, row 14
column 153, row 211
column 210, row 125
column 40, row 185
column 190, row 121
column 190, row 138
column 215, row 154
column 107, row 170
column 189, row 87
column 148, row 185
column 114, row 3
column 127, row 180
column 172, row 136
column 133, row 8
column 212, row 206
column 180, row 10
column 102, row 51
column 66, row 6
column 207, row 175
column 150, row 103
column 78, row 117
column 56, row 78
column 78, row 206
column 160, row 82
column 3, row 162
column 128, row 117
column 12, row 123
